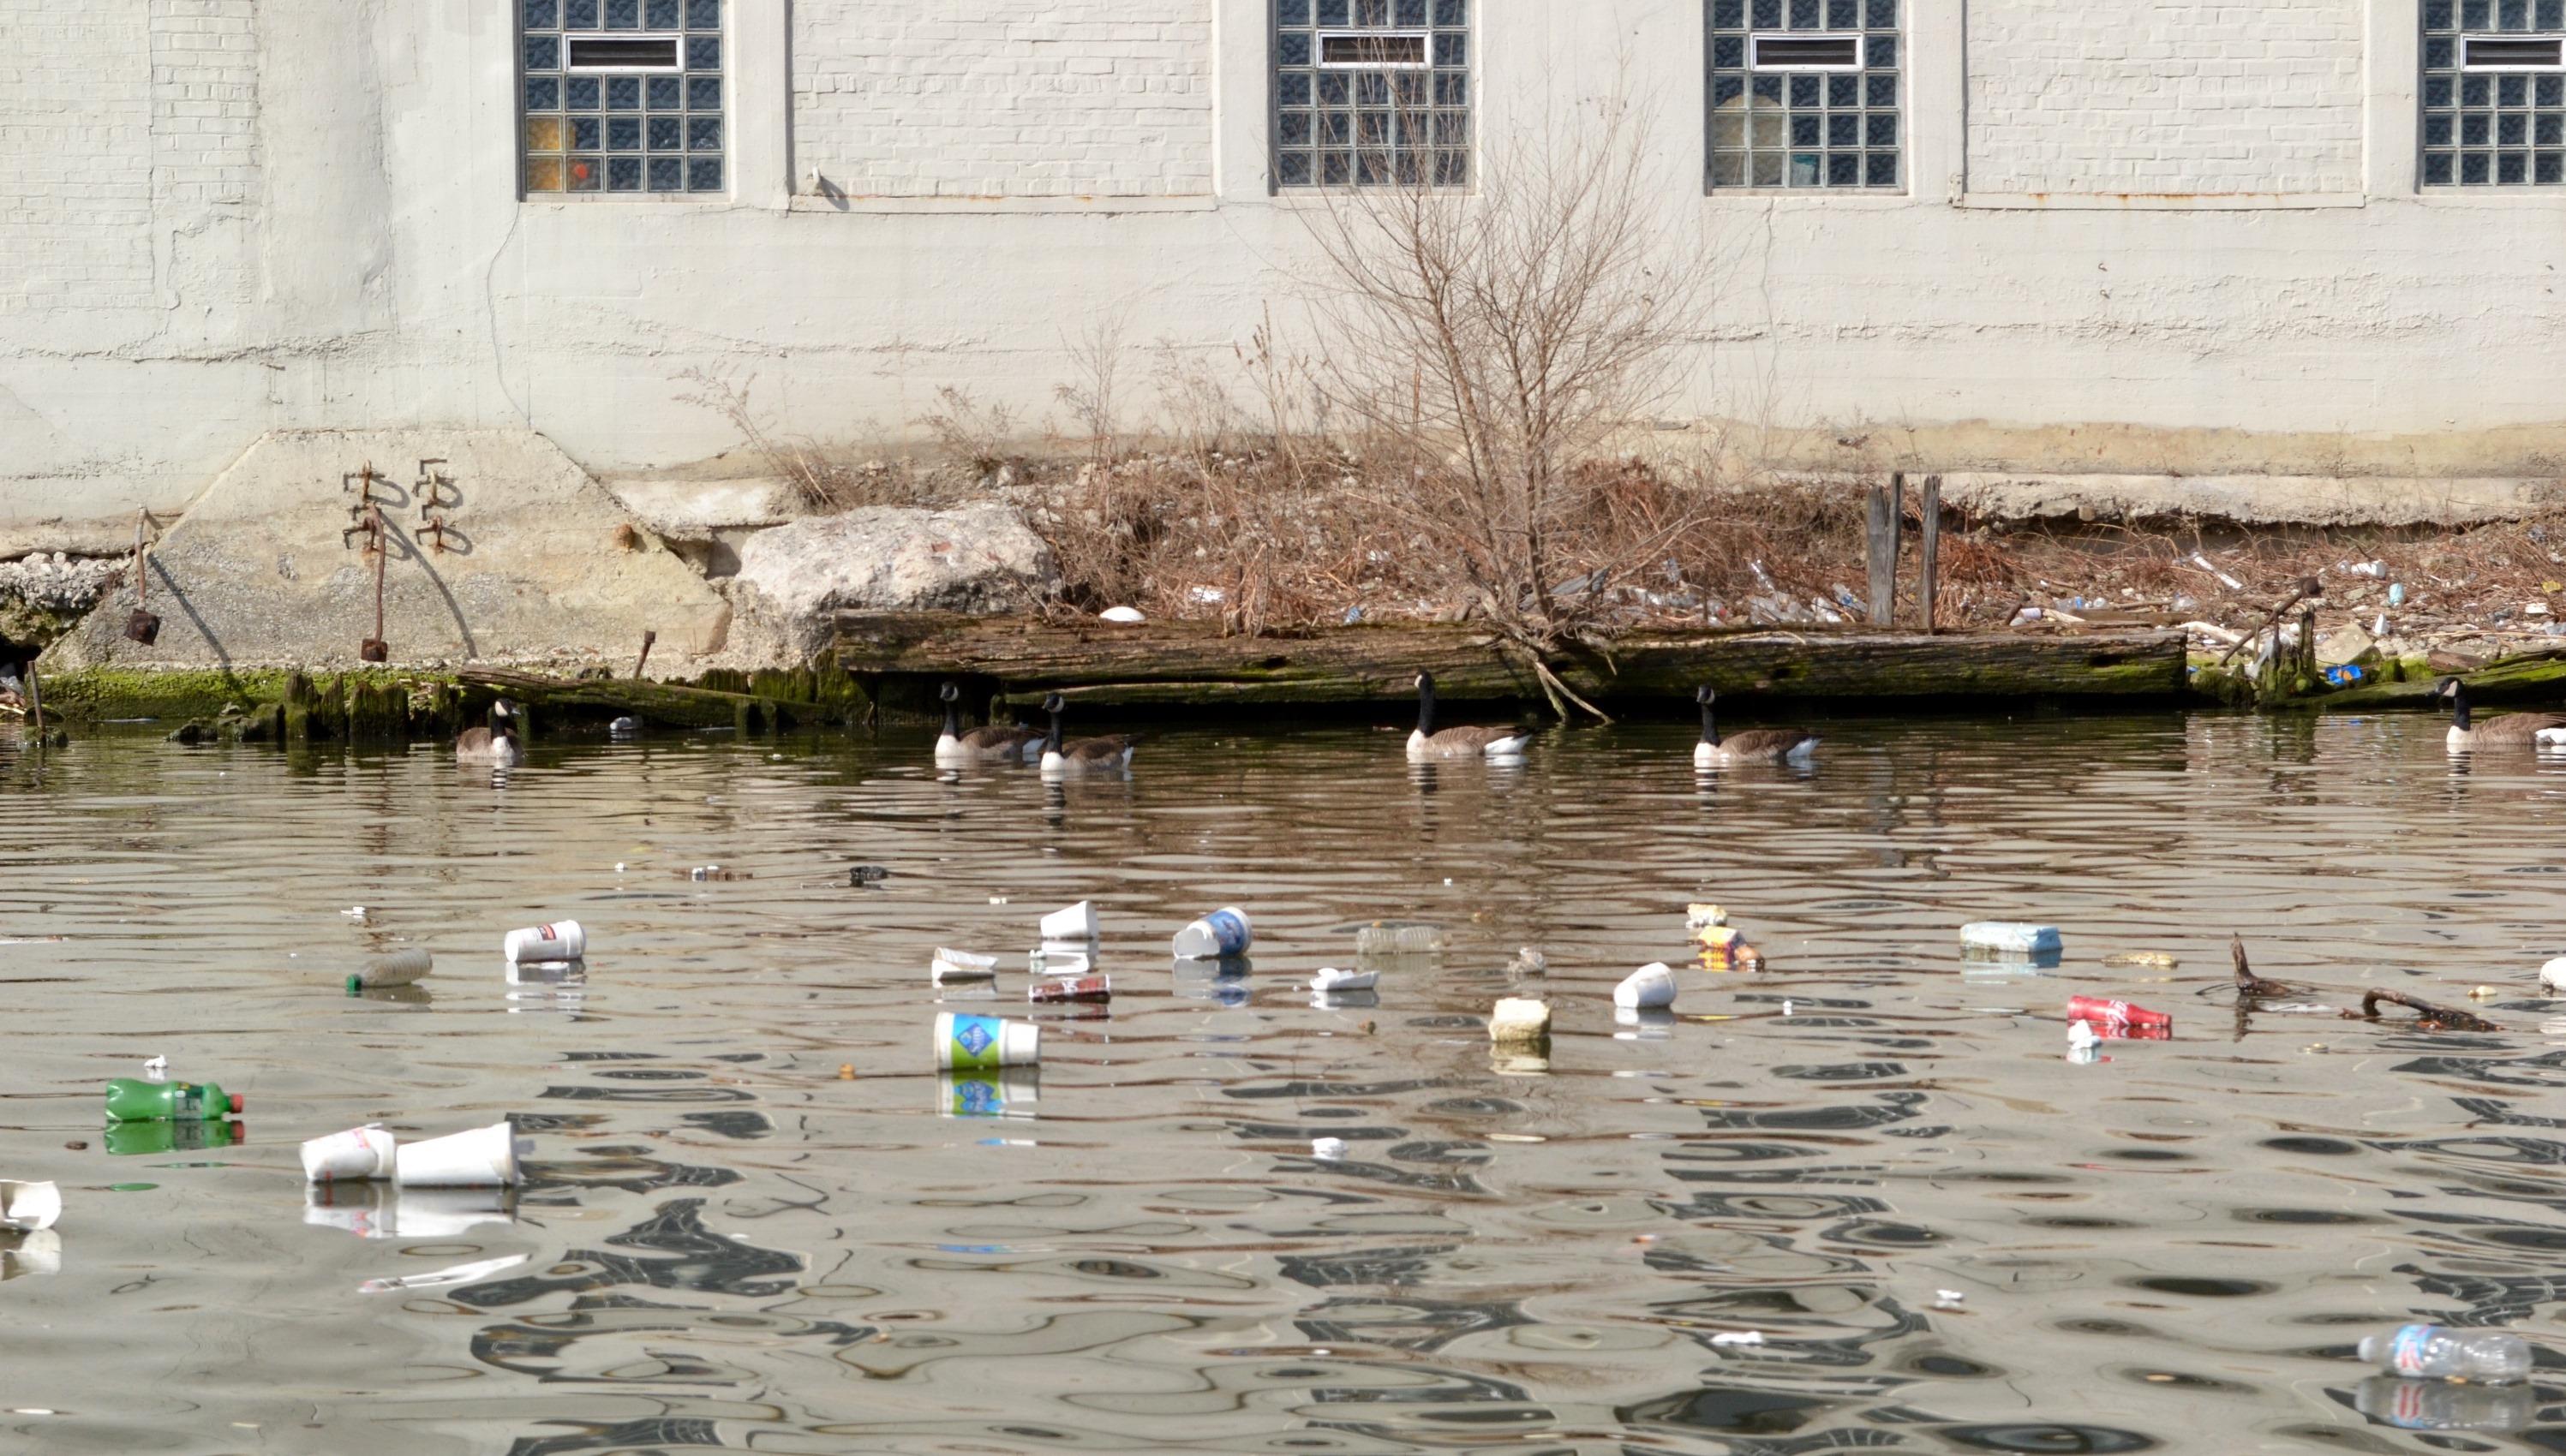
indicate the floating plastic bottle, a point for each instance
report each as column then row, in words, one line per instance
column 397, row 969
column 2110, row 1014
column 2445, row 1405
column 2439, row 1353
column 132, row 1099
column 1399, row 937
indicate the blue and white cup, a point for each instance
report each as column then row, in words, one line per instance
column 1220, row 936
column 966, row 1042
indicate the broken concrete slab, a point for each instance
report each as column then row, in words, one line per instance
column 536, row 563
column 2251, row 499
column 793, row 579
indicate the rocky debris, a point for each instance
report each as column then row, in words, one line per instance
column 981, row 559
column 42, row 595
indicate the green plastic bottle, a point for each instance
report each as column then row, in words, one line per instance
column 132, row 1099
column 125, row 1139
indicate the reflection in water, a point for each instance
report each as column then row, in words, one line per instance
column 1726, row 1229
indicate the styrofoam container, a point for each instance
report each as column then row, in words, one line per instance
column 2011, row 937
column 1651, row 987
column 29, row 1205
column 356, row 1154
column 2553, row 974
column 1074, row 925
column 561, row 942
column 1221, row 936
column 1333, row 980
column 961, row 965
column 965, row 1042
column 485, row 1157
column 1519, row 1019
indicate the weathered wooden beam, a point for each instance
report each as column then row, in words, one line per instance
column 1880, row 547
column 1928, row 550
column 658, row 704
column 1187, row 662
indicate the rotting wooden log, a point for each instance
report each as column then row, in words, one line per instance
column 1190, row 662
column 658, row 704
column 1928, row 553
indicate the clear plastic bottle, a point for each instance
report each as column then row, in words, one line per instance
column 2439, row 1353
column 1399, row 937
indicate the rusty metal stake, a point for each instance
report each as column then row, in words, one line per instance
column 648, row 638
column 373, row 649
column 142, row 627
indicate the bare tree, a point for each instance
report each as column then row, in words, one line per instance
column 1487, row 343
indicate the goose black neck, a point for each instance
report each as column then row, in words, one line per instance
column 2460, row 707
column 1051, row 740
column 1709, row 732
column 1425, row 708
column 952, row 719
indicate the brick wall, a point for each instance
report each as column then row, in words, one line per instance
column 2248, row 95
column 204, row 100
column 998, row 97
column 75, row 154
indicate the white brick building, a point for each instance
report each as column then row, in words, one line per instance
column 2258, row 237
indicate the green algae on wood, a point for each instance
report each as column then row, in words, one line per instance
column 1195, row 663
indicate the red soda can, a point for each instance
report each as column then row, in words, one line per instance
column 1084, row 988
column 2115, row 1013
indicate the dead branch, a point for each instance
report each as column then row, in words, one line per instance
column 2427, row 1017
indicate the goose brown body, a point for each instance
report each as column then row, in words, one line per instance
column 497, row 743
column 995, row 742
column 2508, row 730
column 1754, row 746
column 1427, row 742
column 1107, row 755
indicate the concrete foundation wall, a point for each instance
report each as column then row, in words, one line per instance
column 2229, row 285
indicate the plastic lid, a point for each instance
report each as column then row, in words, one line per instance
column 236, row 1103
column 1022, row 1044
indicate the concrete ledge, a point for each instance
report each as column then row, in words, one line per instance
column 2253, row 500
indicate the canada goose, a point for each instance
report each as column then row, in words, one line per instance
column 1082, row 755
column 1503, row 744
column 1754, row 746
column 2510, row 730
column 497, row 744
column 990, row 745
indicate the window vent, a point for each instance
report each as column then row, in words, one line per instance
column 1393, row 50
column 2514, row 52
column 1805, row 53
column 622, row 53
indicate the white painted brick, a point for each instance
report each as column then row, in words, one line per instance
column 2249, row 96
column 995, row 97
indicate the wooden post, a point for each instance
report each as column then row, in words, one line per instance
column 1929, row 581
column 1882, row 543
column 34, row 702
column 2308, row 644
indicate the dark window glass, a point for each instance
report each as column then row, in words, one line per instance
column 1779, row 116
column 588, row 130
column 1370, row 91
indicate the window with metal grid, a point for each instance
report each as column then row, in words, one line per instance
column 1372, row 91
column 1804, row 93
column 2494, row 93
column 620, row 96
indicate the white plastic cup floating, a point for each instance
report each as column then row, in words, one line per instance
column 2553, row 974
column 485, row 1157
column 966, row 1042
column 356, row 1154
column 1221, row 936
column 29, row 1205
column 1074, row 925
column 560, row 941
column 1652, row 987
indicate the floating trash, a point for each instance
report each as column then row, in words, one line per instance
column 1519, row 1021
column 1071, row 925
column 1221, row 936
column 1651, row 987
column 561, row 942
column 965, row 1042
column 455, row 1274
column 355, row 1155
column 484, row 1158
column 400, row 968
column 29, row 1206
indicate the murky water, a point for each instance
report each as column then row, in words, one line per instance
column 733, row 1245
